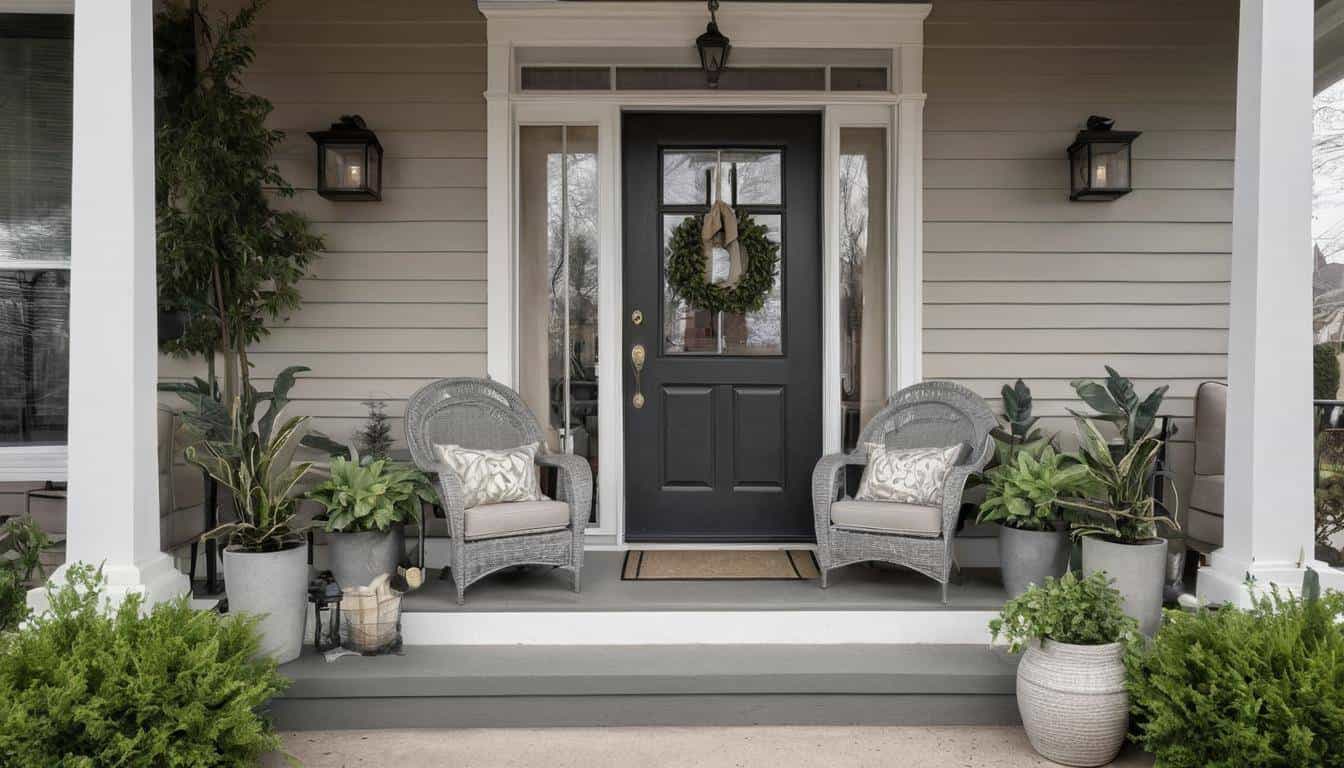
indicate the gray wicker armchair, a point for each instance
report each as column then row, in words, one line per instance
column 931, row 414
column 482, row 414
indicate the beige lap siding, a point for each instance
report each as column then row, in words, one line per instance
column 1019, row 281
column 399, row 298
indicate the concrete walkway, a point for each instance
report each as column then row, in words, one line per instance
column 771, row 747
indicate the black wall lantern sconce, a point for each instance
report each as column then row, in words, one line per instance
column 1100, row 161
column 349, row 161
column 713, row 47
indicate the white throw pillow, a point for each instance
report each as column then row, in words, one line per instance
column 494, row 477
column 906, row 475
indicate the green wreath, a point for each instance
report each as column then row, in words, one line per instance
column 686, row 268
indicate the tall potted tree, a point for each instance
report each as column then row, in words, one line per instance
column 228, row 262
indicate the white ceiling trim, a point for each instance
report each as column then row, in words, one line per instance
column 776, row 25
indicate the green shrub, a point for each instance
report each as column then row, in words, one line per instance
column 1245, row 689
column 177, row 687
column 1325, row 367
column 1066, row 610
column 1024, row 492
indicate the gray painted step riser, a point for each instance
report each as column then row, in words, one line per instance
column 643, row 710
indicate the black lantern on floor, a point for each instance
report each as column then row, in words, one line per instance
column 349, row 161
column 1100, row 162
column 713, row 47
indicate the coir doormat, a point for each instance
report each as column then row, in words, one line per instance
column 719, row 564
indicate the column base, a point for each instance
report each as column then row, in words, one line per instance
column 156, row 580
column 1227, row 581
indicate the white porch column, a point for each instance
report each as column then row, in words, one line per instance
column 1268, row 522
column 501, row 275
column 113, row 508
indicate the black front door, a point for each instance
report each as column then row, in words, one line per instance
column 723, row 446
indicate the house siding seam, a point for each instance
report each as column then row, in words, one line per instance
column 398, row 299
column 1019, row 281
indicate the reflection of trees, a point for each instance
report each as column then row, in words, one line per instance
column 853, row 247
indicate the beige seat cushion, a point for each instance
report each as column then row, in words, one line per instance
column 887, row 517
column 489, row 521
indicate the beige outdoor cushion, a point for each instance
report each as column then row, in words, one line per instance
column 888, row 517
column 1210, row 428
column 489, row 521
column 1203, row 531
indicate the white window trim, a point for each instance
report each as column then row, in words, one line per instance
column 517, row 23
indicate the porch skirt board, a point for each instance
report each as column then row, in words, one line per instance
column 719, row 565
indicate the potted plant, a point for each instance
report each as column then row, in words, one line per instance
column 1023, row 496
column 1119, row 519
column 367, row 505
column 1072, row 634
column 265, row 557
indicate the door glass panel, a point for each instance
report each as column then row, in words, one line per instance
column 746, row 176
column 693, row 331
column 863, row 277
column 755, row 177
column 558, row 275
column 686, row 176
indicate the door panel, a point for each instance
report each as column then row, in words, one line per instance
column 729, row 430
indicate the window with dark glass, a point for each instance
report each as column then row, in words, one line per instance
column 35, row 123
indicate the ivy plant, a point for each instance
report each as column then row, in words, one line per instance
column 1226, row 688
column 1025, row 493
column 1066, row 610
column 83, row 686
column 371, row 494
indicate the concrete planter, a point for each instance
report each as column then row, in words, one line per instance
column 1073, row 702
column 273, row 585
column 358, row 558
column 1137, row 571
column 1028, row 557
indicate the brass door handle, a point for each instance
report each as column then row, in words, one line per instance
column 637, row 360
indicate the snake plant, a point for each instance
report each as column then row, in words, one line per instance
column 1120, row 505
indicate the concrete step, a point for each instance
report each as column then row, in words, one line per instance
column 538, row 686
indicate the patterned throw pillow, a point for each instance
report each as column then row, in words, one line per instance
column 906, row 475
column 494, row 477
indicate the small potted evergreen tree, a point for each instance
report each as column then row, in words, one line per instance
column 1072, row 634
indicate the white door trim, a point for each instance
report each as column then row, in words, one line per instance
column 551, row 23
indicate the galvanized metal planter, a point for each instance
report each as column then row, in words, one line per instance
column 1028, row 557
column 355, row 559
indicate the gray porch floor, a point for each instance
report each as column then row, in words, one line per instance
column 855, row 588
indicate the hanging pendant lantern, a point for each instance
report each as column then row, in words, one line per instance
column 713, row 46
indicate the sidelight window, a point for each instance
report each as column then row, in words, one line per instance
column 863, row 277
column 558, row 284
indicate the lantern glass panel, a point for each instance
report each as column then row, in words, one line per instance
column 374, row 180
column 1109, row 166
column 1078, row 166
column 346, row 167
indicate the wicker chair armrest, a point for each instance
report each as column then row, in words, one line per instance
column 574, row 484
column 449, row 489
column 955, row 485
column 828, row 481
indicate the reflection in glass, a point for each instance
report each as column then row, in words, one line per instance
column 745, row 177
column 863, row 277
column 34, row 355
column 696, row 331
column 558, row 258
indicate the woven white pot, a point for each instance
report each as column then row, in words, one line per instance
column 1073, row 702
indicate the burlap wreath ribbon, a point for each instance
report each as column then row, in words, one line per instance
column 719, row 230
